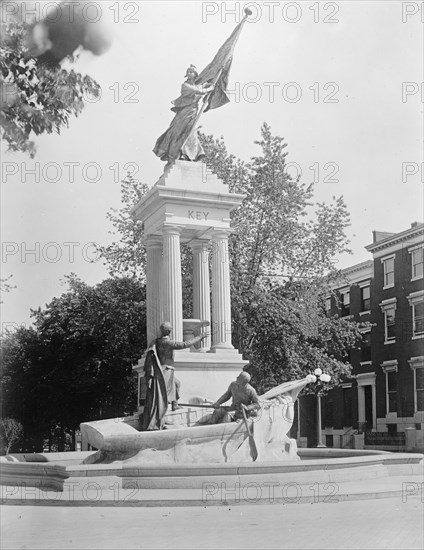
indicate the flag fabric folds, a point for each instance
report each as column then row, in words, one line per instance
column 217, row 71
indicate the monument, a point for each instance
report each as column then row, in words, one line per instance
column 189, row 204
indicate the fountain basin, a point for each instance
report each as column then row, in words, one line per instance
column 321, row 475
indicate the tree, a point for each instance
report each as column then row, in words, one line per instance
column 5, row 286
column 127, row 255
column 282, row 255
column 75, row 364
column 10, row 433
column 282, row 258
column 34, row 97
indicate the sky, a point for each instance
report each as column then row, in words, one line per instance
column 340, row 81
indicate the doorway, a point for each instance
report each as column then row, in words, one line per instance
column 368, row 407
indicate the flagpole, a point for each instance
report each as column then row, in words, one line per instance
column 247, row 12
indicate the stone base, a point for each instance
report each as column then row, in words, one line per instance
column 207, row 374
column 204, row 374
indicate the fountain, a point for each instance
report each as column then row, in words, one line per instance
column 190, row 463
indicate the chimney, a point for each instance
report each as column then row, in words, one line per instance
column 378, row 236
column 414, row 224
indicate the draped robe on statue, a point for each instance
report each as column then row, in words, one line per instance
column 180, row 140
column 162, row 385
column 156, row 402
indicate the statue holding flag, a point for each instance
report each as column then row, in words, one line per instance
column 180, row 141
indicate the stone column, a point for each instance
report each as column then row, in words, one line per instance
column 319, row 422
column 361, row 404
column 201, row 286
column 154, row 254
column 374, row 407
column 221, row 300
column 172, row 287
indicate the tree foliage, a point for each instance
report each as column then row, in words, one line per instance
column 11, row 432
column 35, row 98
column 75, row 363
column 5, row 286
column 283, row 253
column 126, row 256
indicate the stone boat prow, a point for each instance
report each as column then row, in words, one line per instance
column 186, row 439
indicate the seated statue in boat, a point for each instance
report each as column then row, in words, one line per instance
column 162, row 385
column 243, row 395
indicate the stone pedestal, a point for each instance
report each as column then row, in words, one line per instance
column 191, row 205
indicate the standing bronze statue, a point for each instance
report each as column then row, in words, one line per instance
column 180, row 141
column 162, row 385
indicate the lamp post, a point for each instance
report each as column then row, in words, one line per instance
column 323, row 377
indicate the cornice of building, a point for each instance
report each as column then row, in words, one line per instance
column 398, row 238
column 363, row 266
column 355, row 274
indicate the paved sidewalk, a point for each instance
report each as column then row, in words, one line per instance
column 370, row 524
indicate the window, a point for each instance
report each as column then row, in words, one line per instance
column 389, row 324
column 328, row 305
column 416, row 299
column 417, row 318
column 419, row 388
column 417, row 366
column 345, row 303
column 389, row 272
column 365, row 298
column 391, row 388
column 417, row 263
column 388, row 307
column 366, row 348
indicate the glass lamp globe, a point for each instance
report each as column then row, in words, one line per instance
column 318, row 371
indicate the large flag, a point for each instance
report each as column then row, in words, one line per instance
column 218, row 69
